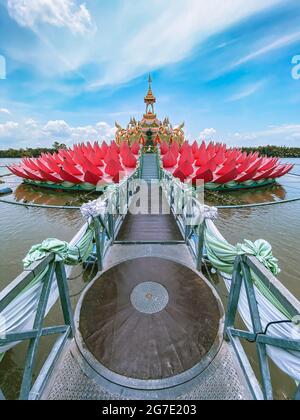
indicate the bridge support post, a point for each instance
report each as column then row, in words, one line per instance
column 200, row 246
column 98, row 244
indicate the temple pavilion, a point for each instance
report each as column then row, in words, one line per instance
column 150, row 130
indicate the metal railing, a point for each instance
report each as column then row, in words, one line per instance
column 106, row 227
column 243, row 267
column 55, row 272
column 188, row 212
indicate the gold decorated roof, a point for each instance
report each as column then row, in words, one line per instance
column 150, row 98
column 161, row 130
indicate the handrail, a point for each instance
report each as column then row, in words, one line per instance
column 242, row 275
column 244, row 265
column 56, row 271
column 114, row 204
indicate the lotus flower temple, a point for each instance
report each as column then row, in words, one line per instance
column 95, row 165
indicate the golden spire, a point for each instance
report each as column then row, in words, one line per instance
column 150, row 99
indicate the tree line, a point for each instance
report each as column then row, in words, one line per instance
column 275, row 151
column 270, row 151
column 31, row 152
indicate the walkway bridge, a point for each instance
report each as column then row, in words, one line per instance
column 150, row 325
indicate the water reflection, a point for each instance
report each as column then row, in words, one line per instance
column 25, row 193
column 22, row 227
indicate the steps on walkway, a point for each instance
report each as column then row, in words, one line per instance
column 150, row 169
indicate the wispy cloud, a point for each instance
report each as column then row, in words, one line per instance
column 58, row 13
column 5, row 111
column 285, row 134
column 131, row 39
column 208, row 134
column 247, row 91
column 172, row 35
column 269, row 47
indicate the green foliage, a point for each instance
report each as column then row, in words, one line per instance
column 56, row 146
column 31, row 152
column 275, row 151
column 19, row 153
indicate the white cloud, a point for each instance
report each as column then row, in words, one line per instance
column 134, row 37
column 58, row 13
column 247, row 91
column 208, row 134
column 8, row 128
column 269, row 47
column 5, row 111
column 286, row 134
column 29, row 132
column 173, row 33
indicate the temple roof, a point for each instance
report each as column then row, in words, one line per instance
column 150, row 123
column 150, row 98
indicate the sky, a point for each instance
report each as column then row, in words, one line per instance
column 70, row 68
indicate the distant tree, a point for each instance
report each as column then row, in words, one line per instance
column 57, row 146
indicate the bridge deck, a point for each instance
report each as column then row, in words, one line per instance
column 150, row 326
column 149, row 318
column 75, row 377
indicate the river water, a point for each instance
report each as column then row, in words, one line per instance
column 21, row 227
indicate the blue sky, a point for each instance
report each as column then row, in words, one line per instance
column 223, row 67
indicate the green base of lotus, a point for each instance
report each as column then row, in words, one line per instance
column 67, row 186
column 210, row 186
column 233, row 186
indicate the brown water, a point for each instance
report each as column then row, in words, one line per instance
column 22, row 227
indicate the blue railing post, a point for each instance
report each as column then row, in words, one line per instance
column 234, row 296
column 200, row 250
column 257, row 329
column 99, row 250
column 65, row 296
column 34, row 342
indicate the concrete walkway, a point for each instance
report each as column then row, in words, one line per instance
column 75, row 379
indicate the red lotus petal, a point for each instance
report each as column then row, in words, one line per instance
column 186, row 168
column 33, row 175
column 164, row 148
column 187, row 155
column 229, row 166
column 263, row 175
column 71, row 169
column 220, row 157
column 113, row 168
column 169, row 160
column 91, row 178
column 130, row 161
column 203, row 158
column 69, row 178
column 50, row 177
column 195, row 147
column 247, row 176
column 19, row 172
column 230, row 176
column 180, row 175
column 42, row 166
column 206, row 176
column 53, row 165
column 136, row 147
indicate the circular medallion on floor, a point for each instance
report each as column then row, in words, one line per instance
column 149, row 297
column 149, row 320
